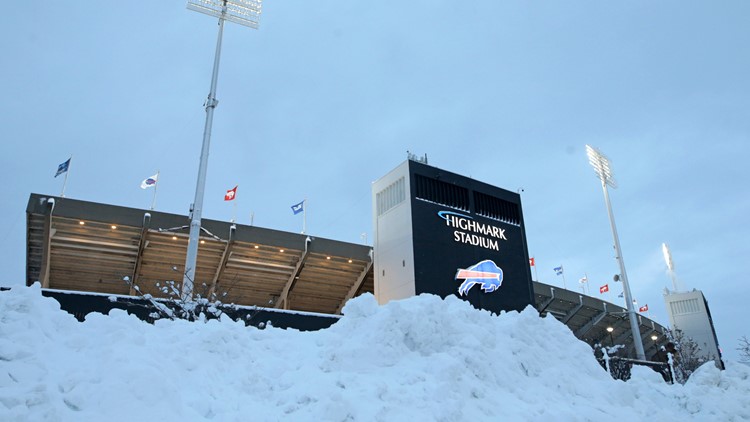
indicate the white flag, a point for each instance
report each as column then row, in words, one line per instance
column 150, row 182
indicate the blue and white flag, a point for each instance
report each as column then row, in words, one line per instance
column 558, row 270
column 298, row 208
column 62, row 168
column 621, row 294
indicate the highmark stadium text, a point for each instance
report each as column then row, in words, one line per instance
column 465, row 222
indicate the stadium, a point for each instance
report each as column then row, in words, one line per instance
column 93, row 252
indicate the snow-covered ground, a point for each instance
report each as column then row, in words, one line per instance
column 420, row 359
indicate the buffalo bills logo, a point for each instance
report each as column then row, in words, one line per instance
column 150, row 182
column 486, row 273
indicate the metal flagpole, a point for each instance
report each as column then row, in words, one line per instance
column 588, row 286
column 234, row 209
column 65, row 181
column 304, row 216
column 156, row 186
column 536, row 276
column 585, row 282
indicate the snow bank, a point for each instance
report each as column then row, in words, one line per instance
column 418, row 359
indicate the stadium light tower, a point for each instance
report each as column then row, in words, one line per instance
column 603, row 170
column 246, row 13
column 670, row 266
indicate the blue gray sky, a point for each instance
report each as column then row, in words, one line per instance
column 328, row 96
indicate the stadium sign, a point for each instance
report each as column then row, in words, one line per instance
column 484, row 235
column 441, row 233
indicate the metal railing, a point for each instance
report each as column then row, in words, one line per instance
column 620, row 368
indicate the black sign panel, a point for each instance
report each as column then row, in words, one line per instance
column 469, row 240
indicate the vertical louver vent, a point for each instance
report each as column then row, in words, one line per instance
column 682, row 307
column 496, row 208
column 442, row 193
column 391, row 196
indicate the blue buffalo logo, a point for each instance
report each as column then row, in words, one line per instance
column 486, row 273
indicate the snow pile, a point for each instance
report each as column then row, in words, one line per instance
column 419, row 359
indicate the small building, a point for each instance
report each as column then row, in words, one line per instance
column 689, row 313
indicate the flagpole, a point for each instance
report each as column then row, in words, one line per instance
column 536, row 276
column 156, row 186
column 565, row 286
column 234, row 209
column 65, row 181
column 588, row 289
column 304, row 216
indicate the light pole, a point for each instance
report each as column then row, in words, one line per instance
column 246, row 13
column 611, row 340
column 603, row 170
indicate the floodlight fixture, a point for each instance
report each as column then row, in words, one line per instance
column 667, row 256
column 246, row 13
column 603, row 169
column 242, row 12
column 601, row 165
column 676, row 284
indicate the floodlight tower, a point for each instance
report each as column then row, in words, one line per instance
column 670, row 266
column 246, row 13
column 603, row 170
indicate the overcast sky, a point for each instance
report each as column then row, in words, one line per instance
column 328, row 96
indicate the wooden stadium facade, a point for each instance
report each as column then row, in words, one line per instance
column 85, row 246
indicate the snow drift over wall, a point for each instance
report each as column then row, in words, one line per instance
column 423, row 358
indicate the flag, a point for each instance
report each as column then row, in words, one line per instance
column 531, row 261
column 151, row 181
column 558, row 270
column 604, row 289
column 298, row 208
column 231, row 194
column 643, row 308
column 621, row 294
column 62, row 168
column 583, row 280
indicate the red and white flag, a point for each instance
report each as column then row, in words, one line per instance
column 604, row 289
column 231, row 194
column 531, row 261
column 643, row 308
